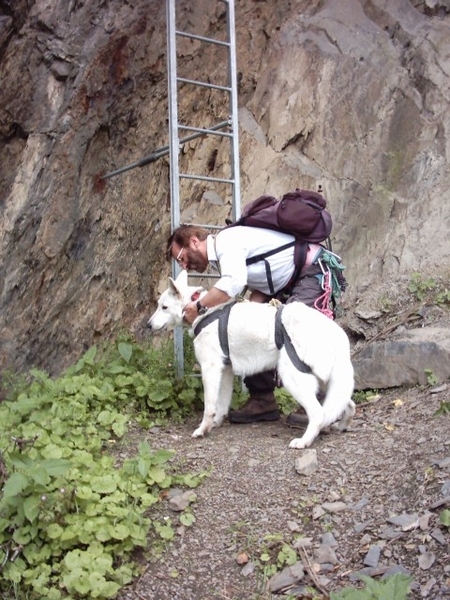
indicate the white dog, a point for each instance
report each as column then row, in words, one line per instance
column 320, row 344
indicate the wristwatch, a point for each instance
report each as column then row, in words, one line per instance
column 200, row 308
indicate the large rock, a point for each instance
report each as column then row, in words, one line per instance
column 408, row 358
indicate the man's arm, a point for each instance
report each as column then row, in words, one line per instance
column 212, row 298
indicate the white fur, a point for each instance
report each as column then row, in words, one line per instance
column 318, row 341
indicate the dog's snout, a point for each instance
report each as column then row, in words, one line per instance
column 149, row 324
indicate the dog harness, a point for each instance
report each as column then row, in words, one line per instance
column 223, row 315
column 282, row 339
column 281, row 335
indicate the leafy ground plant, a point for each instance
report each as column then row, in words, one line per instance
column 71, row 518
column 429, row 289
column 395, row 587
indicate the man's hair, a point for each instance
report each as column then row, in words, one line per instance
column 181, row 236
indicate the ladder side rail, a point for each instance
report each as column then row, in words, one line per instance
column 232, row 76
column 174, row 147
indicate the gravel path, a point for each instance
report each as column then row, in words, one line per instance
column 372, row 505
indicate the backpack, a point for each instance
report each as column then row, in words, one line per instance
column 301, row 213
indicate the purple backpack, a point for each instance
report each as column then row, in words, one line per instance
column 301, row 213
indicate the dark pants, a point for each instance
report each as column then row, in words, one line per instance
column 307, row 290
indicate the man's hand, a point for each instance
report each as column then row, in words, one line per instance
column 212, row 298
column 190, row 312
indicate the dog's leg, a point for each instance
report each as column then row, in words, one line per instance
column 225, row 395
column 303, row 388
column 315, row 413
column 346, row 418
column 338, row 403
column 212, row 380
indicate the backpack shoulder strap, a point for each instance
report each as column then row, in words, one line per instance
column 300, row 252
column 254, row 259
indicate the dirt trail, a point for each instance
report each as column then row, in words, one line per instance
column 394, row 462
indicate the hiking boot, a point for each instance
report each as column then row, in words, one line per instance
column 257, row 409
column 297, row 419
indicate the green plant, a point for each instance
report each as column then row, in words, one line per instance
column 444, row 409
column 365, row 396
column 285, row 401
column 395, row 587
column 71, row 515
column 432, row 379
column 444, row 517
column 420, row 287
column 270, row 553
column 146, row 377
column 443, row 297
column 429, row 289
column 385, row 304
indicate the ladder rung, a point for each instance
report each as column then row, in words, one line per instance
column 204, row 84
column 206, row 226
column 204, row 178
column 205, row 131
column 204, row 275
column 201, row 38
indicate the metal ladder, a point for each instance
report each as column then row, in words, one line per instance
column 227, row 129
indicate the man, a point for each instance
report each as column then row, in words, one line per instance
column 228, row 252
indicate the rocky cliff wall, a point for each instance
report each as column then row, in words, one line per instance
column 349, row 94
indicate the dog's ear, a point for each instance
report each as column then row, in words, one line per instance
column 180, row 283
column 173, row 287
column 182, row 279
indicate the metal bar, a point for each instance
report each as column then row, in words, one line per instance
column 201, row 38
column 204, row 84
column 204, row 275
column 174, row 149
column 164, row 150
column 140, row 163
column 206, row 226
column 232, row 82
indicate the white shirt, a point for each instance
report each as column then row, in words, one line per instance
column 232, row 246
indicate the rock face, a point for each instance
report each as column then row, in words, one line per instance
column 351, row 95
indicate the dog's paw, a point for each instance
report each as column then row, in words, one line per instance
column 199, row 432
column 298, row 444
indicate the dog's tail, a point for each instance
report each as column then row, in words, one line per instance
column 338, row 400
